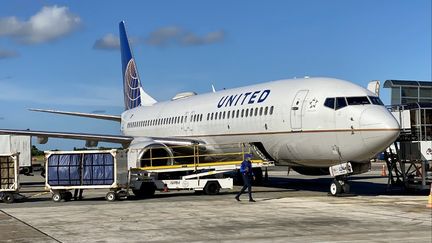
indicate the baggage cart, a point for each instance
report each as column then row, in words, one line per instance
column 9, row 177
column 88, row 169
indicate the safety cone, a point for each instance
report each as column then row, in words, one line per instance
column 429, row 204
column 383, row 171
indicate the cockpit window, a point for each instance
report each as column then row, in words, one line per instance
column 340, row 103
column 330, row 103
column 376, row 100
column 361, row 100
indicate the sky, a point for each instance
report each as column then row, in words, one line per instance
column 64, row 54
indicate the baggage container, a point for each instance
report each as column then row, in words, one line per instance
column 9, row 178
column 89, row 169
column 16, row 144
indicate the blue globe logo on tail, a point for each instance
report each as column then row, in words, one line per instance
column 132, row 86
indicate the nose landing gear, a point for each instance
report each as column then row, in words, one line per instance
column 340, row 173
column 339, row 186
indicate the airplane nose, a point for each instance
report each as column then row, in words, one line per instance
column 379, row 128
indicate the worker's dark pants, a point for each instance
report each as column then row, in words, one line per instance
column 247, row 183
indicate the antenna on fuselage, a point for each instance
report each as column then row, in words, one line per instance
column 213, row 89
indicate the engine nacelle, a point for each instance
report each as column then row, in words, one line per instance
column 91, row 143
column 42, row 140
column 144, row 153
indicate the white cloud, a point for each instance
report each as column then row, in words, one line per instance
column 108, row 42
column 49, row 24
column 165, row 36
column 8, row 54
column 178, row 36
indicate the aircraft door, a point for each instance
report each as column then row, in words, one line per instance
column 297, row 109
column 189, row 123
column 185, row 123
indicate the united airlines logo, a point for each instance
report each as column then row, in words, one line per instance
column 131, row 86
column 244, row 98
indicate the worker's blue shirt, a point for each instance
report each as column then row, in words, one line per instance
column 246, row 168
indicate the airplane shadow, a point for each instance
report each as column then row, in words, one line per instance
column 358, row 186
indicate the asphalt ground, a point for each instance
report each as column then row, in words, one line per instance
column 290, row 208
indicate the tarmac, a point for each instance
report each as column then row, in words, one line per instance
column 290, row 208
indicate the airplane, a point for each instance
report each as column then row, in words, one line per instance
column 309, row 124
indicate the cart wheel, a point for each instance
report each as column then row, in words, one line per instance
column 110, row 196
column 8, row 198
column 335, row 188
column 67, row 196
column 212, row 188
column 147, row 189
column 56, row 197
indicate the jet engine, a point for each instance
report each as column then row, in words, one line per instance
column 150, row 153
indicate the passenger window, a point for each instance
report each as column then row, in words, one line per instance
column 223, row 115
column 228, row 114
column 340, row 103
column 376, row 100
column 238, row 111
column 330, row 103
column 256, row 111
column 265, row 111
column 246, row 112
column 261, row 111
column 271, row 110
column 242, row 112
column 361, row 100
column 211, row 117
column 251, row 112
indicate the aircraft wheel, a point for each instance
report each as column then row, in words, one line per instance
column 111, row 196
column 57, row 197
column 335, row 188
column 8, row 198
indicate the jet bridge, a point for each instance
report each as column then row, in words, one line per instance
column 409, row 159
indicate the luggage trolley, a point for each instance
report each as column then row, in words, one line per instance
column 9, row 180
column 88, row 169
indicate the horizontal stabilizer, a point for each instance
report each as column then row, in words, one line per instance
column 88, row 115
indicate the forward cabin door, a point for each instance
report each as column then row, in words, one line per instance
column 297, row 109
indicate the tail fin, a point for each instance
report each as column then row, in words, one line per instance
column 134, row 94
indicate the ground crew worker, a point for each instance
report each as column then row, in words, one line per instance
column 247, row 175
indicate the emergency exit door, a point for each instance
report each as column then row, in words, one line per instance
column 297, row 109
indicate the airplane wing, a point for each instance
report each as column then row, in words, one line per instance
column 68, row 135
column 124, row 140
column 88, row 115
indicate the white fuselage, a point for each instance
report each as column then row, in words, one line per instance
column 296, row 129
